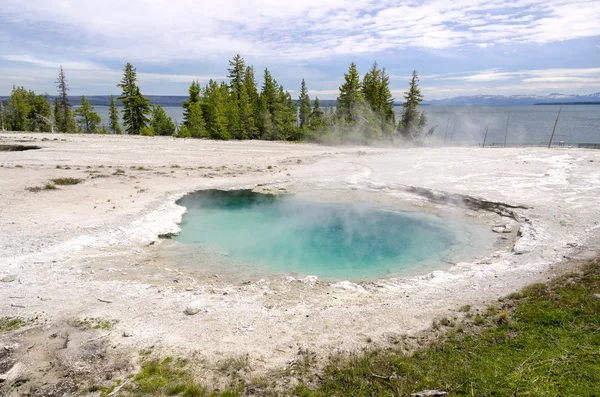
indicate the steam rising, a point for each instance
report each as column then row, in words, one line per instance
column 323, row 239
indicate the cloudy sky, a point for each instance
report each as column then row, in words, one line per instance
column 459, row 47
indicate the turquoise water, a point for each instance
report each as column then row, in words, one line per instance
column 332, row 240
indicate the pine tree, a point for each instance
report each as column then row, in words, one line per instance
column 253, row 115
column 194, row 97
column 113, row 112
column 351, row 97
column 216, row 121
column 58, row 115
column 412, row 122
column 195, row 126
column 18, row 110
column 136, row 107
column 87, row 119
column 161, row 124
column 377, row 94
column 67, row 121
column 41, row 113
column 269, row 107
column 305, row 110
column 241, row 113
column 317, row 118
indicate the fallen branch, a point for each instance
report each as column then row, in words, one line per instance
column 104, row 300
column 117, row 389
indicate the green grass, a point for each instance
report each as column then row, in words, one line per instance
column 544, row 341
column 93, row 323
column 36, row 189
column 66, row 181
column 166, row 378
column 10, row 324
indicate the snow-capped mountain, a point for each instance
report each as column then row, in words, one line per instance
column 495, row 100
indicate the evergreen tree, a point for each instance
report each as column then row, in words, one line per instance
column 305, row 110
column 269, row 107
column 195, row 126
column 18, row 110
column 285, row 117
column 412, row 122
column 87, row 119
column 216, row 121
column 252, row 117
column 67, row 121
column 41, row 117
column 194, row 97
column 241, row 114
column 58, row 116
column 161, row 124
column 317, row 118
column 113, row 112
column 136, row 107
column 351, row 98
column 236, row 71
column 377, row 94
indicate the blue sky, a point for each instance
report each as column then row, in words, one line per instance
column 459, row 47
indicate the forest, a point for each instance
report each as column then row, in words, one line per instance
column 233, row 109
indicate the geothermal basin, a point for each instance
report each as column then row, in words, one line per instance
column 340, row 240
column 92, row 250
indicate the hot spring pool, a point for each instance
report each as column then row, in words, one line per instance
column 332, row 240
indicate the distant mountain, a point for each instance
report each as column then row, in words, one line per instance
column 475, row 100
column 500, row 100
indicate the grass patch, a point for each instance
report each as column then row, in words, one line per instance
column 36, row 189
column 119, row 172
column 66, row 181
column 93, row 323
column 10, row 323
column 544, row 341
column 169, row 377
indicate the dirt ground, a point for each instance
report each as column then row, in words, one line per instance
column 84, row 268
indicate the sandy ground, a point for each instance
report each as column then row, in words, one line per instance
column 91, row 250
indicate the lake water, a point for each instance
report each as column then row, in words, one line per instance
column 335, row 240
column 527, row 125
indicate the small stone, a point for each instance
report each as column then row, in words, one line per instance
column 193, row 308
column 498, row 229
column 189, row 289
column 596, row 296
column 127, row 334
column 8, row 279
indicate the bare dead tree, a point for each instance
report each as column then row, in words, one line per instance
column 63, row 87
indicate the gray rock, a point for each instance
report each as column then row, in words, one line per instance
column 596, row 296
column 127, row 334
column 193, row 308
column 430, row 393
column 8, row 279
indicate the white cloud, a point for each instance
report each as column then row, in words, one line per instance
column 54, row 64
column 163, row 31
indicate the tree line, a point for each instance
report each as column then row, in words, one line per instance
column 235, row 109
